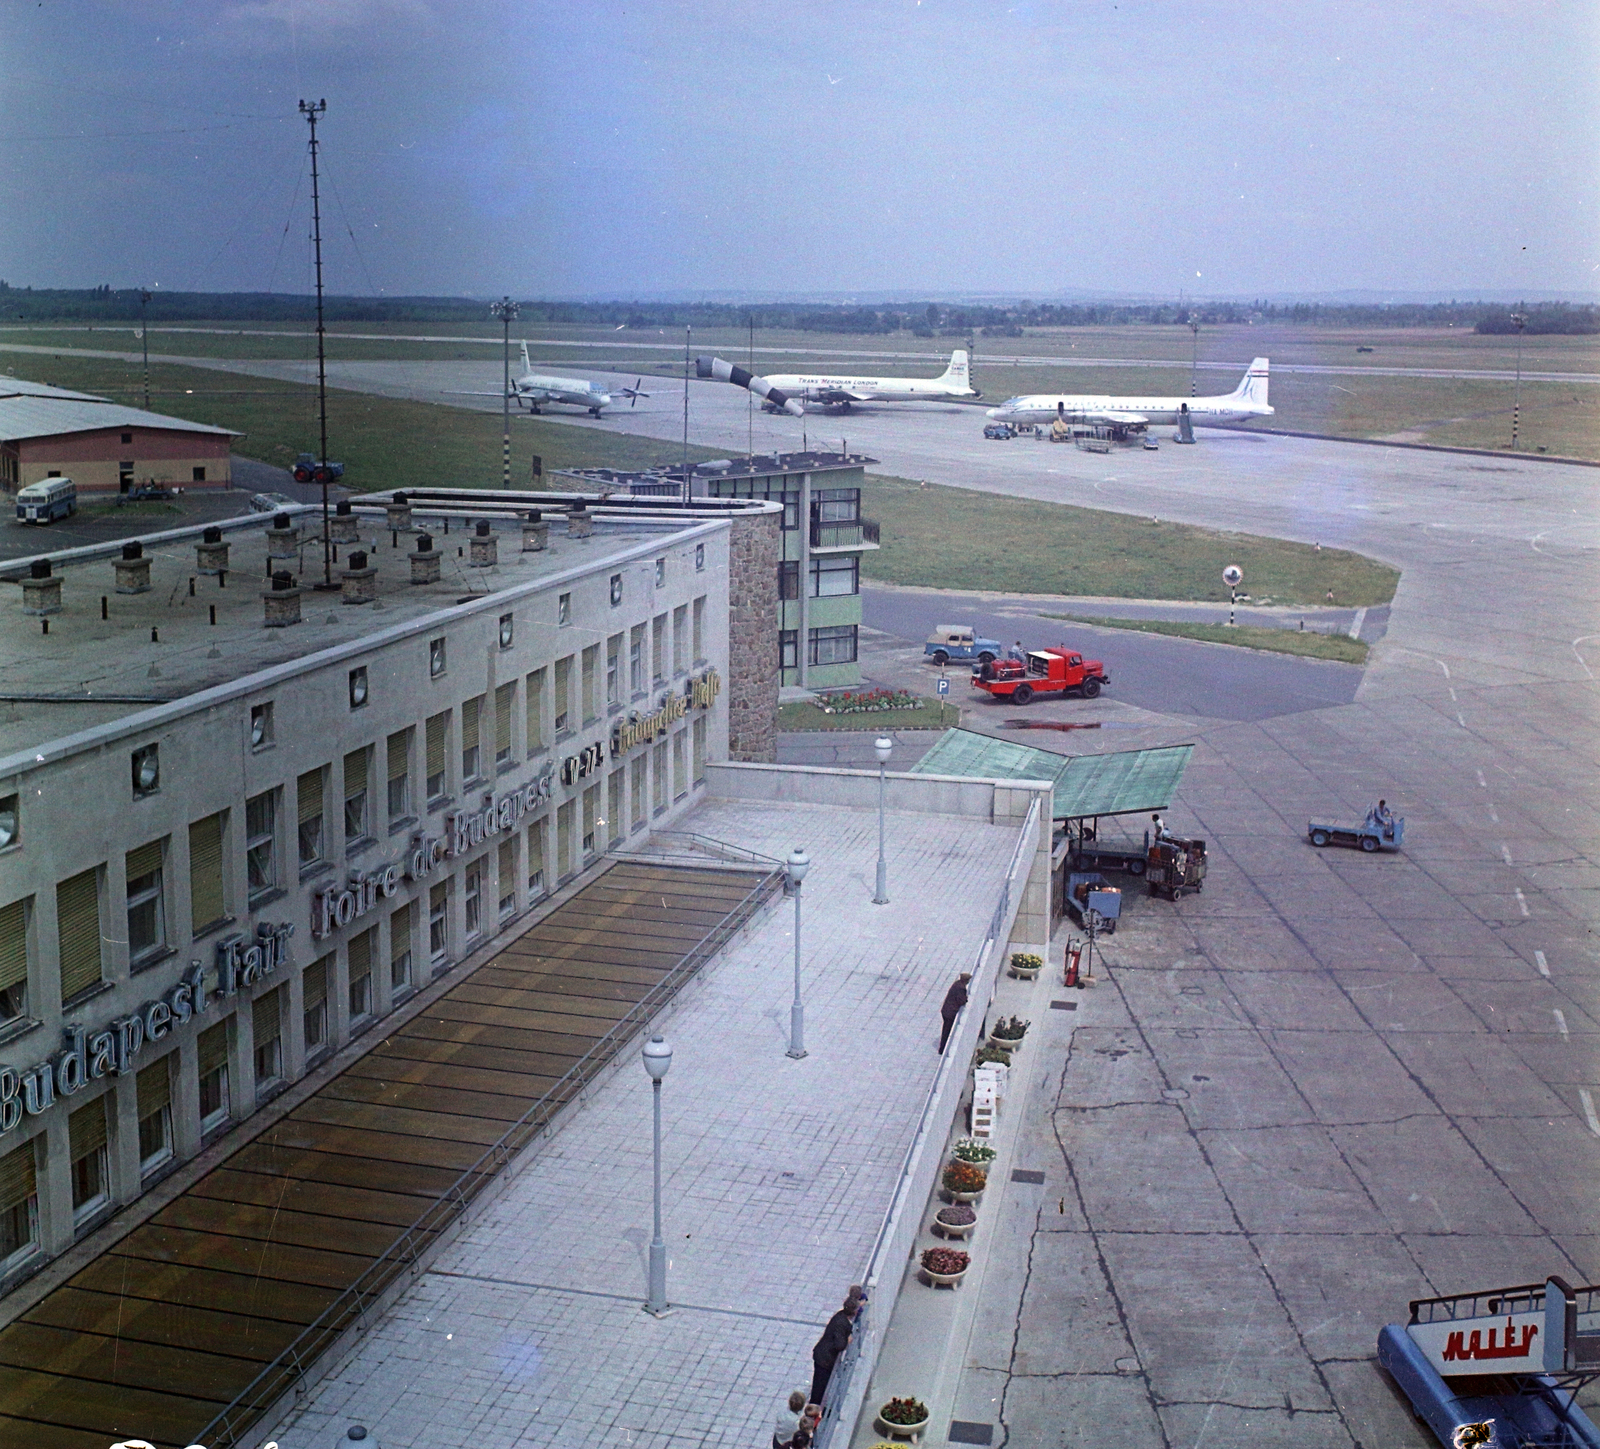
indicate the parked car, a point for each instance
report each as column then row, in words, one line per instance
column 148, row 493
column 959, row 641
column 999, row 430
column 269, row 502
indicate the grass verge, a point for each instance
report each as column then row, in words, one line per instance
column 957, row 538
column 930, row 714
column 383, row 442
column 1247, row 636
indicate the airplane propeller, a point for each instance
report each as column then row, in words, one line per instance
column 633, row 394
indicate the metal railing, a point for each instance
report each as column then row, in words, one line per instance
column 841, row 1385
column 705, row 843
column 844, row 535
column 352, row 1306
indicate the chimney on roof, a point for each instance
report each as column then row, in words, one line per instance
column 425, row 561
column 281, row 603
column 399, row 510
column 41, row 590
column 535, row 531
column 484, row 547
column 283, row 538
column 343, row 526
column 580, row 523
column 132, row 569
column 211, row 553
column 358, row 580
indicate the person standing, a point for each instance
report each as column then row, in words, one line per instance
column 791, row 1419
column 835, row 1339
column 954, row 999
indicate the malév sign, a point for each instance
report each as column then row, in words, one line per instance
column 111, row 1051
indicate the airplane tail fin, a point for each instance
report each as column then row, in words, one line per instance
column 527, row 366
column 957, row 374
column 1253, row 385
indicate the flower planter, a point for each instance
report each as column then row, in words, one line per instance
column 943, row 1280
column 1026, row 973
column 961, row 1232
column 1025, row 965
column 888, row 1427
column 964, row 1197
column 1012, row 1044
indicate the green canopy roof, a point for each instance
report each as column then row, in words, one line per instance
column 1085, row 785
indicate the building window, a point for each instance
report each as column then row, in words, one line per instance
column 261, row 844
column 661, row 573
column 86, row 1146
column 13, row 961
column 535, row 710
column 399, row 773
column 616, row 820
column 506, row 876
column 591, row 667
column 400, row 950
column 636, row 660
column 591, row 812
column 698, row 637
column 146, row 771
column 564, row 861
column 613, row 671
column 308, row 793
column 127, row 437
column 791, row 509
column 508, row 631
column 19, row 1207
column 835, row 644
column 266, row 1017
column 680, row 767
column 789, row 580
column 834, row 575
column 471, row 752
column 260, row 726
column 356, row 822
column 154, row 1091
column 788, row 649
column 436, row 658
column 78, row 927
column 505, row 699
column 472, row 899
column 564, row 609
column 208, row 900
column 212, row 1048
column 563, row 691
column 636, row 790
column 680, row 639
column 658, row 649
column 438, row 745
column 658, row 792
column 699, row 558
column 699, row 734
column 836, row 505
column 616, row 590
column 439, row 922
column 359, row 956
column 536, row 860
column 314, row 1005
column 147, row 914
column 199, row 474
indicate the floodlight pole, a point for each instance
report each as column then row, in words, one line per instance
column 311, row 112
column 1194, row 354
column 883, row 745
column 1519, row 320
column 795, row 868
column 688, row 332
column 144, row 329
column 506, row 310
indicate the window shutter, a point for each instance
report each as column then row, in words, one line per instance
column 310, row 791
column 78, row 923
column 86, row 1129
column 469, row 723
column 400, row 932
column 535, row 702
column 212, row 1048
column 264, row 1017
column 144, row 860
column 436, row 733
column 206, row 902
column 504, row 697
column 154, row 1085
column 360, row 955
column 316, row 982
column 399, row 765
column 355, row 773
column 13, row 945
column 508, row 863
column 17, row 1179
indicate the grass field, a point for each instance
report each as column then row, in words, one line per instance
column 982, row 541
column 1312, row 645
column 383, row 442
column 930, row 714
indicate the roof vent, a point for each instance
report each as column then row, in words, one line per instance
column 425, row 564
column 41, row 590
column 342, row 508
column 484, row 547
column 359, row 581
column 281, row 603
column 281, row 581
column 401, row 499
column 483, row 528
column 133, row 550
column 424, row 543
column 280, row 520
column 212, row 535
column 535, row 531
column 39, row 569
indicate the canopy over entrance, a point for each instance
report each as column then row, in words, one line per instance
column 1123, row 783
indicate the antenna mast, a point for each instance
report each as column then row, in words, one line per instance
column 311, row 112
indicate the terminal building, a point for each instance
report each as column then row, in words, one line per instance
column 103, row 446
column 259, row 786
column 823, row 539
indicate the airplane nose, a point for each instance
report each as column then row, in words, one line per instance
column 998, row 414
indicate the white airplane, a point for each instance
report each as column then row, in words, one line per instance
column 536, row 389
column 842, row 392
column 1133, row 414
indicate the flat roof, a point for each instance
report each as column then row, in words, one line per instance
column 1121, row 783
column 31, row 415
column 760, row 465
column 89, row 671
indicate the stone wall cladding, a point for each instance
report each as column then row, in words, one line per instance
column 753, row 550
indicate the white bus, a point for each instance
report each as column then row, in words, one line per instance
column 47, row 500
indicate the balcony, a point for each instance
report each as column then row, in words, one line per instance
column 852, row 537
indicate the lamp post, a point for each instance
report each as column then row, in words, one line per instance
column 657, row 1058
column 1232, row 576
column 1519, row 320
column 506, row 310
column 1194, row 353
column 881, row 747
column 795, row 868
column 144, row 331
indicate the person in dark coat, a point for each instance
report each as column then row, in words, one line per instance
column 954, row 999
column 835, row 1339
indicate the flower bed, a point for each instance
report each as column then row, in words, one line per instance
column 945, row 1260
column 958, row 1215
column 904, row 1411
column 965, row 1177
column 969, row 1149
column 867, row 701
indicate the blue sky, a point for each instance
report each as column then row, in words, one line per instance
column 948, row 146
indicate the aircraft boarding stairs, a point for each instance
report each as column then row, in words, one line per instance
column 1517, row 1356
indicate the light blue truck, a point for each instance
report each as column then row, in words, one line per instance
column 958, row 641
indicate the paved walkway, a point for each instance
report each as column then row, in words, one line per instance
column 528, row 1330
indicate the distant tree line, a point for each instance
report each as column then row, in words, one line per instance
column 930, row 319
